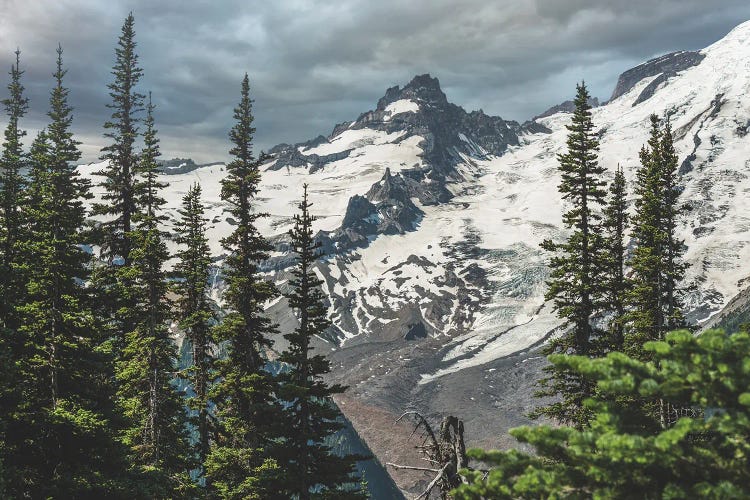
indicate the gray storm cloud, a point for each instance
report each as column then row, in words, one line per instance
column 315, row 63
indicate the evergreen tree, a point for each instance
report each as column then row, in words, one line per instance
column 646, row 318
column 11, row 284
column 616, row 285
column 312, row 469
column 704, row 455
column 195, row 311
column 61, row 442
column 240, row 464
column 656, row 261
column 12, row 162
column 673, row 248
column 113, row 278
column 122, row 129
column 574, row 285
column 157, row 434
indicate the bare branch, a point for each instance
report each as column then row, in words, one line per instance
column 409, row 467
column 422, row 422
column 434, row 482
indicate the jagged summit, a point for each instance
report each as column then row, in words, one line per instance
column 433, row 216
column 422, row 88
column 445, row 133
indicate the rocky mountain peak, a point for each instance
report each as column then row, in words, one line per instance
column 422, row 88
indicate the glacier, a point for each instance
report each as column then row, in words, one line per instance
column 431, row 219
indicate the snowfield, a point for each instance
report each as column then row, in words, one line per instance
column 471, row 270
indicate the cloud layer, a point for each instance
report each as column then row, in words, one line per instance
column 314, row 63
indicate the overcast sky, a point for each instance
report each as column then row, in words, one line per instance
column 313, row 64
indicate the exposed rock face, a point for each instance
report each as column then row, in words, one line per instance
column 397, row 212
column 565, row 107
column 449, row 132
column 361, row 215
column 431, row 219
column 288, row 156
column 177, row 166
column 386, row 208
column 447, row 129
column 667, row 65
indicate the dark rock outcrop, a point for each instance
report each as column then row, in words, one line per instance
column 669, row 65
column 180, row 165
column 449, row 134
column 564, row 107
column 416, row 331
column 387, row 208
column 288, row 156
column 397, row 212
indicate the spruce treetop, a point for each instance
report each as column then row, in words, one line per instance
column 16, row 106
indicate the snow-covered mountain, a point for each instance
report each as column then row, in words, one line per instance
column 432, row 217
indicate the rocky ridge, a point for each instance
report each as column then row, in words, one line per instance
column 431, row 219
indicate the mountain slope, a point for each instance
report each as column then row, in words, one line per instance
column 431, row 219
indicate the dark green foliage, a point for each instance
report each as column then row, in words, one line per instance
column 673, row 249
column 195, row 312
column 156, row 432
column 646, row 319
column 625, row 453
column 574, row 285
column 11, row 283
column 122, row 129
column 312, row 469
column 60, row 441
column 240, row 464
column 615, row 283
column 656, row 261
column 12, row 161
column 112, row 279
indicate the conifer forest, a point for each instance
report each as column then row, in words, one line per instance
column 428, row 303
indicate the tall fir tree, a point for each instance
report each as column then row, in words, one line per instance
column 240, row 464
column 656, row 262
column 645, row 318
column 23, row 394
column 157, row 434
column 118, row 201
column 11, row 284
column 574, row 284
column 615, row 284
column 673, row 247
column 12, row 161
column 112, row 278
column 62, row 443
column 195, row 313
column 313, row 470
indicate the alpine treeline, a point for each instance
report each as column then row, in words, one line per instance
column 95, row 400
column 605, row 309
column 573, row 286
column 619, row 381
